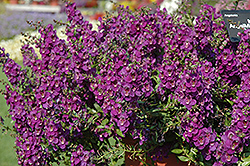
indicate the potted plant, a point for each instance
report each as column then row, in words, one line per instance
column 91, row 4
column 54, row 2
column 14, row 2
column 173, row 84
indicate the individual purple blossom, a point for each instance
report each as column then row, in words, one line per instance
column 81, row 157
column 244, row 124
column 203, row 138
column 122, row 122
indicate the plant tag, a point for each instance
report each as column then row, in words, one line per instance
column 236, row 21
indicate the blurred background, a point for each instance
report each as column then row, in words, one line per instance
column 15, row 13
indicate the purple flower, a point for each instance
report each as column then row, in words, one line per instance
column 217, row 164
column 203, row 138
column 229, row 158
column 123, row 122
column 81, row 157
column 244, row 123
column 126, row 92
column 188, row 101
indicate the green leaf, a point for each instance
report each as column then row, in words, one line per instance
column 90, row 119
column 156, row 110
column 105, row 121
column 230, row 102
column 111, row 141
column 177, row 151
column 201, row 163
column 227, row 122
column 140, row 102
column 193, row 150
column 183, row 158
column 98, row 108
column 119, row 132
column 80, row 40
column 192, row 153
column 246, row 162
column 100, row 127
column 93, row 111
column 169, row 99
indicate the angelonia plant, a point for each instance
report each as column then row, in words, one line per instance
column 172, row 83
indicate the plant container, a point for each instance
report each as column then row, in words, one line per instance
column 54, row 3
column 172, row 159
column 13, row 2
column 35, row 2
column 91, row 3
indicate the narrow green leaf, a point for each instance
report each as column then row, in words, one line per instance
column 183, row 158
column 140, row 102
column 169, row 99
column 80, row 40
column 156, row 110
column 93, row 111
column 100, row 127
column 201, row 163
column 230, row 102
column 177, row 151
column 105, row 121
column 227, row 122
column 98, row 108
column 90, row 119
column 246, row 161
column 119, row 132
column 194, row 150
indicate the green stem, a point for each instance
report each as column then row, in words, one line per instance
column 186, row 154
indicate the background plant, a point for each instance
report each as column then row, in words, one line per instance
column 228, row 4
column 13, row 22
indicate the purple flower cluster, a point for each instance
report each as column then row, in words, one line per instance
column 125, row 77
column 226, row 66
column 55, row 105
column 169, row 76
column 28, row 118
column 227, row 148
column 204, row 137
column 144, row 74
column 192, row 90
column 195, row 86
column 80, row 157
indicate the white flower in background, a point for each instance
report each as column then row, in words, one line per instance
column 109, row 5
column 13, row 46
column 170, row 5
column 95, row 24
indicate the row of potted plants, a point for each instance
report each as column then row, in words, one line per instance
column 85, row 3
column 36, row 2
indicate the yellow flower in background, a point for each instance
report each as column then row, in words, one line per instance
column 132, row 4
